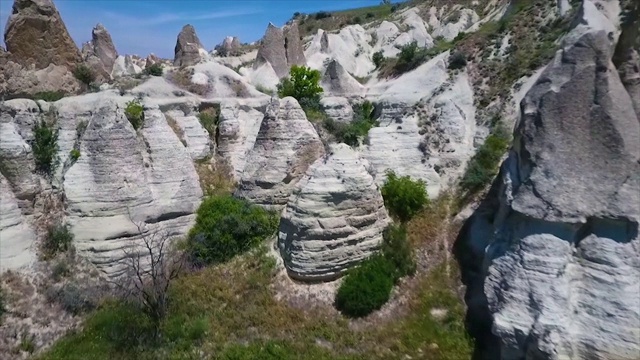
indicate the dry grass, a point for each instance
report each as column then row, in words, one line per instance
column 182, row 79
column 216, row 176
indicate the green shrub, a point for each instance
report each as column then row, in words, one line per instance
column 45, row 147
column 209, row 119
column 404, row 197
column 180, row 328
column 378, row 58
column 73, row 299
column 302, row 84
column 135, row 113
column 322, row 15
column 351, row 133
column 27, row 342
column 58, row 239
column 226, row 226
column 84, row 74
column 398, row 251
column 60, row 270
column 366, row 288
column 457, row 60
column 74, row 154
column 49, row 96
column 154, row 70
column 483, row 166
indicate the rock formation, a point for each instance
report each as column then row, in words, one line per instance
column 286, row 145
column 16, row 234
column 151, row 60
column 237, row 132
column 230, row 46
column 334, row 219
column 337, row 108
column 188, row 46
column 35, row 35
column 337, row 80
column 281, row 48
column 124, row 66
column 100, row 53
column 556, row 243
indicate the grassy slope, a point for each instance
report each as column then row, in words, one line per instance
column 229, row 312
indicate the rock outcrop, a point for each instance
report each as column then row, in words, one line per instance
column 334, row 219
column 35, row 35
column 188, row 47
column 124, row 66
column 17, row 237
column 552, row 254
column 100, row 53
column 237, row 132
column 281, row 48
column 337, row 108
column 338, row 81
column 230, row 46
column 286, row 145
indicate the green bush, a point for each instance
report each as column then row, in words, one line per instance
column 302, row 84
column 74, row 154
column 49, row 96
column 135, row 113
column 154, row 70
column 58, row 239
column 45, row 147
column 226, row 226
column 209, row 119
column 457, row 60
column 483, row 166
column 378, row 58
column 398, row 251
column 322, row 15
column 404, row 197
column 351, row 133
column 84, row 74
column 366, row 288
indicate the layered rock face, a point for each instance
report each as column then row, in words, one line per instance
column 556, row 244
column 334, row 219
column 100, row 53
column 281, row 48
column 35, row 35
column 286, row 145
column 188, row 46
column 237, row 133
column 16, row 234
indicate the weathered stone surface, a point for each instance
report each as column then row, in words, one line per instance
column 124, row 66
column 556, row 243
column 237, row 132
column 230, row 46
column 187, row 50
column 334, row 219
column 630, row 73
column 286, row 145
column 337, row 80
column 293, row 45
column 151, row 60
column 122, row 176
column 16, row 234
column 17, row 80
column 36, row 35
column 272, row 51
column 100, row 53
column 194, row 136
column 337, row 108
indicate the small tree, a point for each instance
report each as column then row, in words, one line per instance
column 378, row 58
column 135, row 113
column 84, row 74
column 302, row 84
column 151, row 268
column 45, row 147
column 404, row 197
column 58, row 239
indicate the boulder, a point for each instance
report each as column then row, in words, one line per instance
column 187, row 50
column 552, row 254
column 35, row 35
column 338, row 81
column 286, row 145
column 334, row 219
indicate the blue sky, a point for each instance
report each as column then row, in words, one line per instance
column 143, row 27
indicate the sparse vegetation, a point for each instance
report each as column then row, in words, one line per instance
column 84, row 74
column 226, row 227
column 378, row 58
column 73, row 298
column 60, row 270
column 45, row 147
column 398, row 251
column 154, row 70
column 351, row 133
column 135, row 113
column 215, row 176
column 209, row 118
column 483, row 166
column 49, row 96
column 57, row 240
column 404, row 197
column 74, row 154
column 457, row 60
column 27, row 342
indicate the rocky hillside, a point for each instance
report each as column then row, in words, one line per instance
column 440, row 91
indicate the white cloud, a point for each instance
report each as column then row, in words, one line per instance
column 165, row 18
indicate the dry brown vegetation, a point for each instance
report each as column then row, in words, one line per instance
column 182, row 79
column 216, row 176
